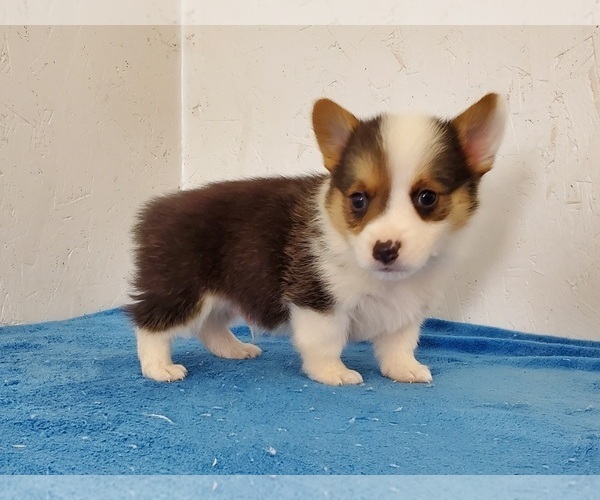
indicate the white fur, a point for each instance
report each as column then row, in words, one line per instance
column 154, row 352
column 320, row 339
column 211, row 326
column 395, row 353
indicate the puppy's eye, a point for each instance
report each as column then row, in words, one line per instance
column 359, row 203
column 426, row 198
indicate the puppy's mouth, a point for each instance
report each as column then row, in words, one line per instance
column 394, row 272
column 398, row 271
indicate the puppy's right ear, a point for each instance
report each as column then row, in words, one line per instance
column 333, row 126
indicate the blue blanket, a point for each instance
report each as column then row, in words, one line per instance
column 73, row 401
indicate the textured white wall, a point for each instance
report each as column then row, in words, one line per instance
column 535, row 245
column 89, row 127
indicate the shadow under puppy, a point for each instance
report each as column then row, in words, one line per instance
column 350, row 256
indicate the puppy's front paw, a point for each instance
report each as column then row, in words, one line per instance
column 164, row 373
column 334, row 375
column 411, row 373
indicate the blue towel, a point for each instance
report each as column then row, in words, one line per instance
column 74, row 402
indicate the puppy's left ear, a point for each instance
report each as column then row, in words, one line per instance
column 480, row 130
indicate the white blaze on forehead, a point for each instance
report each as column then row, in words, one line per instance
column 410, row 143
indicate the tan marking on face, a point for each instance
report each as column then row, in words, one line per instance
column 455, row 206
column 440, row 210
column 362, row 169
column 447, row 174
column 335, row 205
column 371, row 180
column 369, row 176
column 463, row 206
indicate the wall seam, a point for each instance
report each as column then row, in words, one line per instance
column 182, row 131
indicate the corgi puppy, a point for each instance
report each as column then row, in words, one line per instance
column 352, row 255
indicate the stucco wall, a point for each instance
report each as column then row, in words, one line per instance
column 89, row 128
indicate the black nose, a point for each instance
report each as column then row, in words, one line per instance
column 386, row 252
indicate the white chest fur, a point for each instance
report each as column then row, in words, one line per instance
column 375, row 306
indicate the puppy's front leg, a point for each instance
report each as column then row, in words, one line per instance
column 320, row 339
column 395, row 353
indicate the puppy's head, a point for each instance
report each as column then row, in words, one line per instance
column 402, row 185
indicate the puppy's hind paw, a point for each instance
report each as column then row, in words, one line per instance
column 238, row 350
column 164, row 373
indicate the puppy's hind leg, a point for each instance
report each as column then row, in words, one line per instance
column 216, row 336
column 154, row 352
